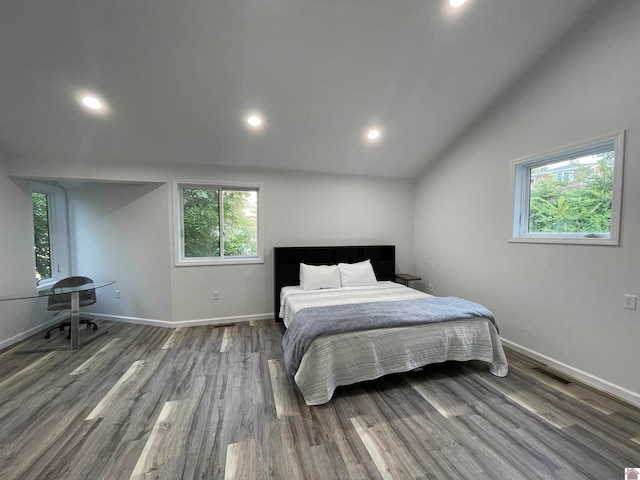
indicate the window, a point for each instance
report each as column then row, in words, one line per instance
column 572, row 195
column 566, row 176
column 218, row 224
column 51, row 233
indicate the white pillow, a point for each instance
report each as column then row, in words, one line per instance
column 314, row 277
column 357, row 274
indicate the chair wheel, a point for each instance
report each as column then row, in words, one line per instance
column 95, row 327
column 47, row 335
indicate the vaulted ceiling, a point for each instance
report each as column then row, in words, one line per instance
column 178, row 78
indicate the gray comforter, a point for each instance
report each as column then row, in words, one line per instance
column 314, row 322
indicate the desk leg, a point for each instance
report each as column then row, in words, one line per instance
column 74, row 331
column 75, row 320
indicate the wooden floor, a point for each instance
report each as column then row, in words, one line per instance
column 215, row 402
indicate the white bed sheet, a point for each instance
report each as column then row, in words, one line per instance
column 354, row 357
column 294, row 299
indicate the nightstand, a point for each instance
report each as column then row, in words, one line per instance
column 406, row 278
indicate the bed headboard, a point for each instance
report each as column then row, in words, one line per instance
column 287, row 262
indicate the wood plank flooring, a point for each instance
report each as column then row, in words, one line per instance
column 216, row 403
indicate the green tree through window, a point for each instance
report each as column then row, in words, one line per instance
column 201, row 222
column 42, row 245
column 202, row 227
column 582, row 205
column 240, row 209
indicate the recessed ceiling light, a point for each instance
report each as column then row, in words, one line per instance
column 91, row 102
column 457, row 3
column 255, row 121
column 373, row 135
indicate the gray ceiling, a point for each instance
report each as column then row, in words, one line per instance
column 179, row 77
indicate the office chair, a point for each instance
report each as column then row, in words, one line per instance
column 62, row 301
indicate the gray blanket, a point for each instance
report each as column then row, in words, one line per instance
column 314, row 322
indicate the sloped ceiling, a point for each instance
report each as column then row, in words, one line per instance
column 179, row 78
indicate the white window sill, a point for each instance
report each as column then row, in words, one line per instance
column 230, row 261
column 45, row 285
column 565, row 240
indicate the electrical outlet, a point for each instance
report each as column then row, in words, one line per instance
column 117, row 293
column 216, row 295
column 431, row 265
column 630, row 302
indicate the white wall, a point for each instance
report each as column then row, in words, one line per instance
column 17, row 261
column 561, row 301
column 125, row 232
column 122, row 232
column 300, row 209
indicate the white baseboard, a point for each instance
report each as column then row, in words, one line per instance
column 141, row 321
column 27, row 333
column 180, row 323
column 596, row 382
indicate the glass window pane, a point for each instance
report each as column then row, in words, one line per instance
column 572, row 196
column 240, row 223
column 201, row 222
column 42, row 244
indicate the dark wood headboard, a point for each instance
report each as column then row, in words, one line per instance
column 287, row 262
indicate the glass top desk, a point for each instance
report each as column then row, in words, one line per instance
column 75, row 312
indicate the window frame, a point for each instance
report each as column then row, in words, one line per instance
column 521, row 185
column 180, row 259
column 59, row 243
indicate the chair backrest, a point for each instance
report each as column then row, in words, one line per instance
column 62, row 301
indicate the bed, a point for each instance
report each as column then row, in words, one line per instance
column 332, row 354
